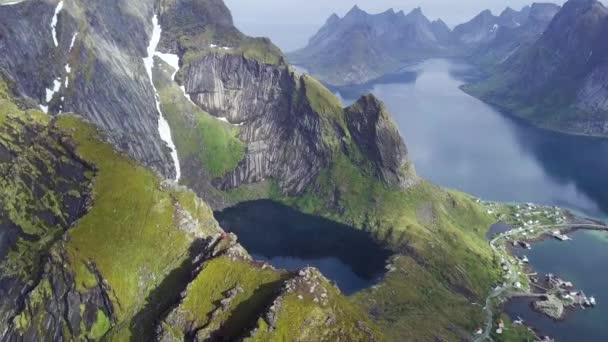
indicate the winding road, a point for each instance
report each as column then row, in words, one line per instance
column 509, row 289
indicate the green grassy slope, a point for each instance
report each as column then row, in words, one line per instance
column 237, row 299
column 438, row 234
column 136, row 243
column 198, row 136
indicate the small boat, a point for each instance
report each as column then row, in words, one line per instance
column 592, row 301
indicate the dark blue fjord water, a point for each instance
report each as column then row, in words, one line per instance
column 462, row 143
column 291, row 240
column 582, row 261
column 459, row 142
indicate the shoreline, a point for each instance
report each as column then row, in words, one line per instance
column 528, row 224
column 538, row 289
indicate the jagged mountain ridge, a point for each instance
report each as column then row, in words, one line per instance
column 510, row 38
column 362, row 46
column 558, row 82
column 490, row 39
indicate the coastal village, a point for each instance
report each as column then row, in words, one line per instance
column 549, row 293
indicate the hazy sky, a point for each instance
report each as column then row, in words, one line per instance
column 290, row 23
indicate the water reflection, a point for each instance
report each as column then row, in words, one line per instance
column 292, row 240
column 581, row 261
column 459, row 142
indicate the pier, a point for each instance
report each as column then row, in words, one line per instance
column 553, row 294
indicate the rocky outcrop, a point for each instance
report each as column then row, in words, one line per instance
column 44, row 190
column 86, row 64
column 380, row 141
column 282, row 132
column 56, row 310
column 289, row 123
column 550, row 306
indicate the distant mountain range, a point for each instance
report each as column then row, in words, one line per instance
column 490, row 38
column 560, row 81
column 544, row 63
column 361, row 47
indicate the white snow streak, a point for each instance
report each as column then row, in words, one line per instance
column 51, row 92
column 11, row 3
column 163, row 126
column 173, row 61
column 54, row 22
column 73, row 41
column 213, row 46
column 68, row 69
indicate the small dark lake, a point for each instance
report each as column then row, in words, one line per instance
column 582, row 261
column 459, row 142
column 291, row 240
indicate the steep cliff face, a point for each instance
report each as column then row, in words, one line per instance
column 377, row 136
column 73, row 56
column 559, row 81
column 290, row 125
column 282, row 133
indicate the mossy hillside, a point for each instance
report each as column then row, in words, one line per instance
column 410, row 304
column 42, row 185
column 443, row 230
column 222, row 41
column 198, row 136
column 549, row 107
column 254, row 288
column 131, row 232
column 439, row 235
column 313, row 94
column 446, row 227
column 300, row 318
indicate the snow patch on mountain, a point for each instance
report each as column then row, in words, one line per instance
column 163, row 126
column 54, row 22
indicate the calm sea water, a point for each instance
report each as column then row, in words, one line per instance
column 459, row 142
column 582, row 261
column 462, row 143
column 291, row 240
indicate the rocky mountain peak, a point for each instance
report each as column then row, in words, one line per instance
column 355, row 11
column 441, row 30
column 379, row 140
column 334, row 18
column 486, row 14
column 543, row 11
column 508, row 12
column 417, row 11
column 416, row 15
